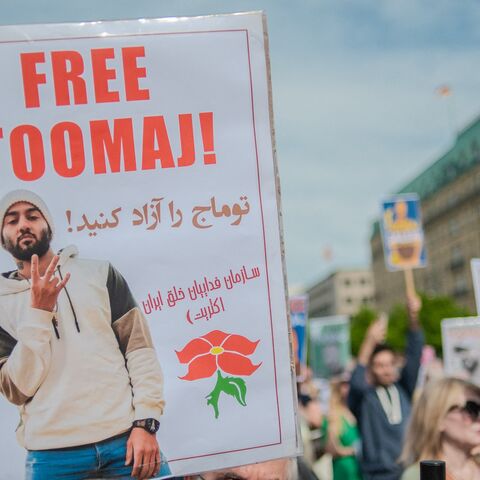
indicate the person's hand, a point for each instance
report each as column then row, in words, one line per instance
column 414, row 304
column 375, row 335
column 143, row 449
column 45, row 289
column 377, row 331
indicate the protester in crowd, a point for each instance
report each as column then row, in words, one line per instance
column 310, row 412
column 343, row 438
column 382, row 404
column 308, row 401
column 445, row 425
column 310, row 419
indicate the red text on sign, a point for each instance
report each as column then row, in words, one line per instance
column 113, row 146
column 70, row 78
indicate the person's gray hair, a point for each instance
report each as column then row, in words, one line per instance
column 292, row 469
column 289, row 471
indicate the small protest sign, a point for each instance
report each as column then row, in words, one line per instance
column 461, row 347
column 298, row 319
column 402, row 233
column 329, row 345
column 475, row 267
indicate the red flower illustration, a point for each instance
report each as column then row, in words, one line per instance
column 217, row 350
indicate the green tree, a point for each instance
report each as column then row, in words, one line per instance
column 434, row 310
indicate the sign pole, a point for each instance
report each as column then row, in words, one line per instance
column 409, row 282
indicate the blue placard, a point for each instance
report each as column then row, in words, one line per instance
column 298, row 316
column 402, row 233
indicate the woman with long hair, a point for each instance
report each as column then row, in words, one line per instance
column 445, row 425
column 343, row 438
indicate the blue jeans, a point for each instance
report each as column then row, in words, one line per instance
column 105, row 459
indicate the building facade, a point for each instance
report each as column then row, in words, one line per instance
column 449, row 192
column 341, row 293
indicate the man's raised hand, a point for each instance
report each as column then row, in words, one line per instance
column 377, row 331
column 414, row 304
column 45, row 289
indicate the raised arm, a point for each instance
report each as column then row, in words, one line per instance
column 375, row 335
column 415, row 342
column 24, row 362
column 358, row 383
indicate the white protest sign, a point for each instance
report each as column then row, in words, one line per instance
column 151, row 142
column 475, row 267
column 461, row 347
column 329, row 345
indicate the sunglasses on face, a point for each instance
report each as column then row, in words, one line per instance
column 471, row 408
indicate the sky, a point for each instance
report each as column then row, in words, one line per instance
column 356, row 114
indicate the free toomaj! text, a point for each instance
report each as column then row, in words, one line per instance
column 113, row 146
column 117, row 145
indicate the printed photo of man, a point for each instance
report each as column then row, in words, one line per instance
column 76, row 356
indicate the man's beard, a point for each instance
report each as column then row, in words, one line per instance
column 39, row 247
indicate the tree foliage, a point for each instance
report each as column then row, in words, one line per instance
column 434, row 310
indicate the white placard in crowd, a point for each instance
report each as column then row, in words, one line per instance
column 329, row 345
column 475, row 267
column 152, row 144
column 461, row 347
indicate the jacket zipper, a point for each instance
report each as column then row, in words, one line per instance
column 55, row 327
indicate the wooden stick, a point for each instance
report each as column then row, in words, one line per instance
column 409, row 282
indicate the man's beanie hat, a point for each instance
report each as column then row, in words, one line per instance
column 17, row 196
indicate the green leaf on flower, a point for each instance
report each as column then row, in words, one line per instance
column 212, row 399
column 235, row 387
column 232, row 386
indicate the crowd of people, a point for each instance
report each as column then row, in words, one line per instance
column 383, row 417
column 381, row 421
